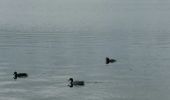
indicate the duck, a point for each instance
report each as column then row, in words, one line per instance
column 75, row 83
column 108, row 60
column 20, row 75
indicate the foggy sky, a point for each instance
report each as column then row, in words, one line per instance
column 85, row 15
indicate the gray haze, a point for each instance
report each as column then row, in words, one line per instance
column 84, row 15
column 44, row 39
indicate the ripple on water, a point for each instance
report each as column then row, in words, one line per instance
column 3, row 83
column 10, row 98
column 10, row 90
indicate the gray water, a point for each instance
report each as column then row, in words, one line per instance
column 50, row 59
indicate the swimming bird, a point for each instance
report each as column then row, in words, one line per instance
column 75, row 83
column 108, row 60
column 20, row 75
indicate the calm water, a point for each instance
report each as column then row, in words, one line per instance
column 140, row 73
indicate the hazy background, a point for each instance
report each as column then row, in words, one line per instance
column 84, row 15
column 53, row 40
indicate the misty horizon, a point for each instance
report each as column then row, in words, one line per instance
column 84, row 16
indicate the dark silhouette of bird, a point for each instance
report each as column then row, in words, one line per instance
column 108, row 60
column 20, row 75
column 75, row 83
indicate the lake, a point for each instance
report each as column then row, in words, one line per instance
column 50, row 59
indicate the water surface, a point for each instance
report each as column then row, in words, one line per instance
column 140, row 73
